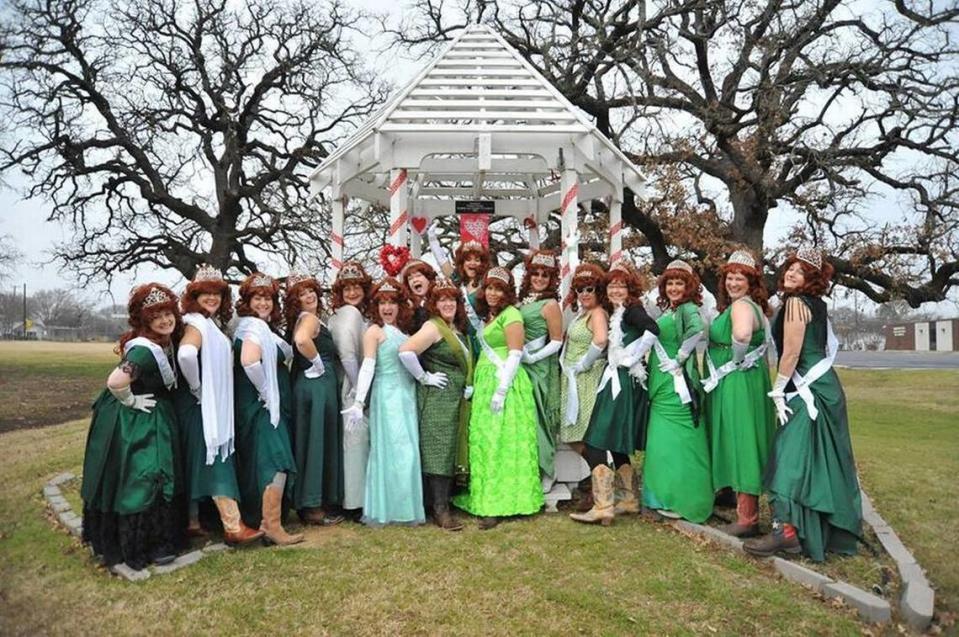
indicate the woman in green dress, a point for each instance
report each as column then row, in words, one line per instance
column 317, row 432
column 677, row 481
column 618, row 422
column 438, row 356
column 204, row 405
column 740, row 416
column 811, row 474
column 131, row 462
column 262, row 403
column 543, row 323
column 504, row 463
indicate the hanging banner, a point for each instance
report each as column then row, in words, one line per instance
column 475, row 227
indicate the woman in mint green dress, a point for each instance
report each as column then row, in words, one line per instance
column 317, row 429
column 739, row 414
column 677, row 480
column 394, row 484
column 504, row 463
column 131, row 465
column 811, row 474
column 543, row 323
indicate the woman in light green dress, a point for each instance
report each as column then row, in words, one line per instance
column 543, row 323
column 739, row 414
column 677, row 480
column 504, row 463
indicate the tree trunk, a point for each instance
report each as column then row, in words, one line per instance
column 749, row 218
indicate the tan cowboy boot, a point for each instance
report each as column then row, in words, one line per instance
column 272, row 528
column 626, row 500
column 234, row 531
column 602, row 510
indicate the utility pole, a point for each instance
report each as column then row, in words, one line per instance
column 24, row 311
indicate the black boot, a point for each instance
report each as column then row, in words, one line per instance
column 772, row 543
column 440, row 490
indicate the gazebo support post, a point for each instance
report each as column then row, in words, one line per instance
column 569, row 256
column 399, row 212
column 615, row 230
column 336, row 236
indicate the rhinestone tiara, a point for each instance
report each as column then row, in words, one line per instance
column 742, row 257
column 207, row 272
column 679, row 264
column 622, row 265
column 444, row 284
column 544, row 259
column 261, row 281
column 584, row 273
column 296, row 277
column 351, row 272
column 156, row 297
column 811, row 256
column 500, row 273
column 472, row 246
column 387, row 286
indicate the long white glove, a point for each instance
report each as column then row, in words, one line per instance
column 412, row 364
column 506, row 376
column 546, row 350
column 637, row 349
column 188, row 358
column 590, row 357
column 317, row 368
column 435, row 248
column 257, row 376
column 125, row 396
column 687, row 348
column 353, row 415
column 739, row 351
column 670, row 366
column 779, row 399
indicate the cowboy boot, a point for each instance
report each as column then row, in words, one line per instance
column 626, row 500
column 602, row 511
column 440, row 490
column 783, row 538
column 747, row 517
column 234, row 531
column 273, row 531
column 585, row 501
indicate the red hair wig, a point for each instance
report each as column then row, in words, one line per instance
column 587, row 274
column 509, row 294
column 817, row 281
column 364, row 281
column 552, row 290
column 459, row 320
column 404, row 315
column 248, row 291
column 694, row 288
column 139, row 317
column 757, row 288
column 416, row 265
column 634, row 285
column 189, row 303
column 291, row 301
column 459, row 259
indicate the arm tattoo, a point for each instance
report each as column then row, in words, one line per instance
column 130, row 368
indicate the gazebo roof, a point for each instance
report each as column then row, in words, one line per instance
column 479, row 122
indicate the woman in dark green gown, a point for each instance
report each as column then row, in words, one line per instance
column 317, row 433
column 131, row 463
column 811, row 475
column 438, row 356
column 263, row 404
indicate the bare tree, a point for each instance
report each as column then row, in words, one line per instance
column 9, row 257
column 742, row 110
column 171, row 133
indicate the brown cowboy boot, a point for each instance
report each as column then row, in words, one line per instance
column 235, row 532
column 747, row 517
column 440, row 490
column 625, row 493
column 273, row 531
column 602, row 511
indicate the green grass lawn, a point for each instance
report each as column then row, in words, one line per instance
column 543, row 575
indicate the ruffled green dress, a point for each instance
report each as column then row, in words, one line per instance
column 740, row 415
column 545, row 377
column 676, row 472
column 504, row 462
column 811, row 475
column 317, row 432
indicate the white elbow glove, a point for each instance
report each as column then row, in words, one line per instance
column 257, row 376
column 546, row 350
column 188, row 358
column 739, row 351
column 412, row 364
column 435, row 248
column 590, row 357
column 126, row 397
column 317, row 368
column 353, row 415
column 779, row 399
column 636, row 350
column 506, row 376
column 687, row 348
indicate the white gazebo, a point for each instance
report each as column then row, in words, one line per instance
column 479, row 123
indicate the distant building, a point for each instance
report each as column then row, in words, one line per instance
column 923, row 336
column 36, row 330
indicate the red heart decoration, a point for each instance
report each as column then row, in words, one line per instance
column 393, row 258
column 419, row 224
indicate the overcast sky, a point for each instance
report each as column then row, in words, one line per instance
column 25, row 219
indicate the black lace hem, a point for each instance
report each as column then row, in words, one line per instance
column 137, row 539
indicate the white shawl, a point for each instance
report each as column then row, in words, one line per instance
column 216, row 387
column 255, row 330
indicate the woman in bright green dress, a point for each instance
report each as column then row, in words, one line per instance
column 543, row 323
column 266, row 469
column 317, row 429
column 131, row 465
column 739, row 414
column 504, row 463
column 811, row 474
column 677, row 480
